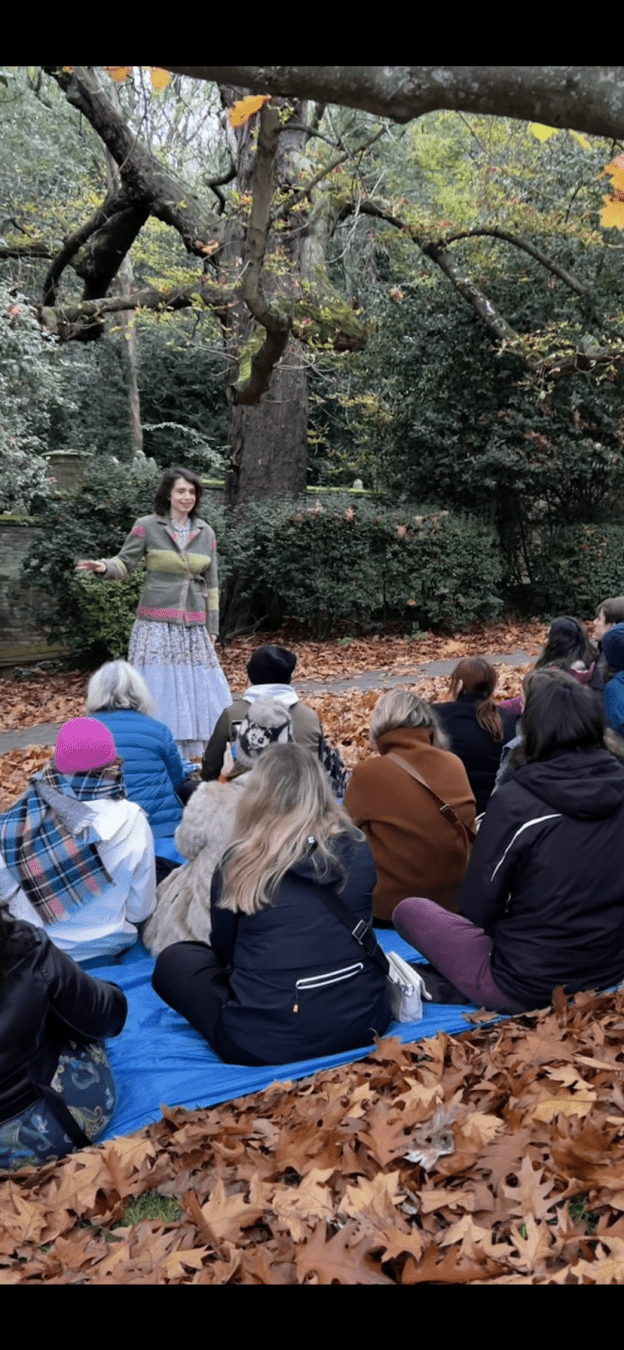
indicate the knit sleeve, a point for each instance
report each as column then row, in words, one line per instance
column 212, row 615
column 130, row 555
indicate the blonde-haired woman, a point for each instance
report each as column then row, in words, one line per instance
column 414, row 803
column 284, row 978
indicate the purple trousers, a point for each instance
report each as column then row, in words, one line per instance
column 456, row 947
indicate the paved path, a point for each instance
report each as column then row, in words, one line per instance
column 384, row 678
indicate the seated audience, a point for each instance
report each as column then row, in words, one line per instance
column 270, row 670
column 285, row 978
column 568, row 647
column 608, row 613
column 475, row 725
column 56, row 1088
column 182, row 910
column 153, row 769
column 542, row 904
column 416, row 846
column 613, row 693
column 76, row 857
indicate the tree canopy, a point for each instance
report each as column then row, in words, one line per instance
column 336, row 202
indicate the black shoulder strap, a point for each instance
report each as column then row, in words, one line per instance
column 361, row 931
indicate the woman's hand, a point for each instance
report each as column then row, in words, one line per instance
column 88, row 565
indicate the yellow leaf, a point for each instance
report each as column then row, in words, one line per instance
column 241, row 112
column 582, row 140
column 612, row 214
column 615, row 171
column 543, row 133
column 159, row 78
column 119, row 73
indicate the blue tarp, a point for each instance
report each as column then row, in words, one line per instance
column 160, row 1059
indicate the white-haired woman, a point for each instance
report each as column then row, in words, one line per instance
column 414, row 803
column 284, row 978
column 154, row 772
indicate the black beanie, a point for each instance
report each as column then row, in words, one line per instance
column 271, row 665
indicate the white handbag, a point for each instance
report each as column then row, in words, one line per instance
column 407, row 989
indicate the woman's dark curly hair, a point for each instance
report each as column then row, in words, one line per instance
column 568, row 641
column 560, row 714
column 162, row 503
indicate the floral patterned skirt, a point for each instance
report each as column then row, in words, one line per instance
column 85, row 1083
column 180, row 666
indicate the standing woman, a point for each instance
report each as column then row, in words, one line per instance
column 178, row 613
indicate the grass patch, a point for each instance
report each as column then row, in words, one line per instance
column 151, row 1205
column 580, row 1214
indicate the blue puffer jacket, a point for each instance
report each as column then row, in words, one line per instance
column 613, row 695
column 153, row 768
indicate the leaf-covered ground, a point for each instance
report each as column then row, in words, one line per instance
column 345, row 716
column 494, row 1157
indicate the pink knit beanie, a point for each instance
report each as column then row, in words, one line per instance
column 83, row 744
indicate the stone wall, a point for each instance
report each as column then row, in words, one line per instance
column 22, row 638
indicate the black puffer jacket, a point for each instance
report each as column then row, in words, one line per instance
column 479, row 753
column 301, row 985
column 46, row 1000
column 546, row 877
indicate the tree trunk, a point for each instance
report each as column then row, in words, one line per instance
column 268, row 442
column 127, row 321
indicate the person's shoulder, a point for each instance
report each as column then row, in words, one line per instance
column 306, row 713
column 373, row 766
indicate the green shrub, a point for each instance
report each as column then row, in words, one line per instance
column 337, row 561
column 574, row 568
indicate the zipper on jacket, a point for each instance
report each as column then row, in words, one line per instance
column 323, row 981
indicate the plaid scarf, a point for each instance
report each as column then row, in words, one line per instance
column 39, row 845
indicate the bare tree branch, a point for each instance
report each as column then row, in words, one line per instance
column 112, row 203
column 35, row 250
column 587, row 98
column 575, row 285
column 63, row 319
column 550, row 367
column 277, row 327
column 143, row 177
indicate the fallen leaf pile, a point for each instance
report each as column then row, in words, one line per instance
column 494, row 1157
column 43, row 697
column 47, row 697
column 346, row 716
column 343, row 657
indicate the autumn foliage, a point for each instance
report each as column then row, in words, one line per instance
column 490, row 1158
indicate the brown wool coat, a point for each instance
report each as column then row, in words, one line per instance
column 417, row 851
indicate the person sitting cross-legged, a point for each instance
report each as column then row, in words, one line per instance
column 76, row 857
column 182, row 910
column 270, row 671
column 542, row 904
column 284, row 978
